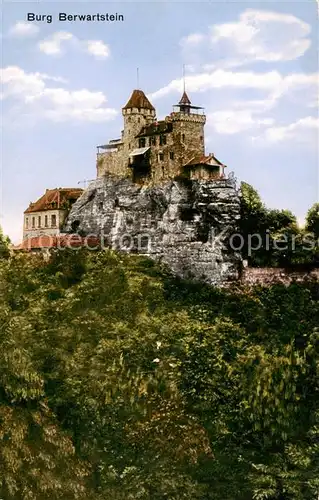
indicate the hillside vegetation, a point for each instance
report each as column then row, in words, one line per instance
column 120, row 382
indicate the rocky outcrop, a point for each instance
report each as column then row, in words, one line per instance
column 183, row 224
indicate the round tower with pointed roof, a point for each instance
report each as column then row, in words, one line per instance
column 137, row 113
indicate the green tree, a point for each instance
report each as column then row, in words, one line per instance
column 312, row 220
column 4, row 245
column 119, row 381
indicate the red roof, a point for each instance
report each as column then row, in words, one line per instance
column 58, row 241
column 58, row 198
column 209, row 160
column 185, row 99
column 138, row 100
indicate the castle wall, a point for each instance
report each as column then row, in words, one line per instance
column 113, row 162
column 185, row 225
column 267, row 276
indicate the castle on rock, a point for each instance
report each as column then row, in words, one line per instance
column 154, row 151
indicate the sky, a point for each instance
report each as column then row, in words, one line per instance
column 253, row 66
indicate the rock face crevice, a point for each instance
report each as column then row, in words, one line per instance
column 185, row 225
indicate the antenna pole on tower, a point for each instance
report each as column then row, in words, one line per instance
column 184, row 85
column 137, row 78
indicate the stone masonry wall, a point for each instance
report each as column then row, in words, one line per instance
column 185, row 225
column 271, row 276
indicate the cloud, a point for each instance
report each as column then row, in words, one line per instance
column 258, row 35
column 98, row 48
column 232, row 122
column 57, row 43
column 192, row 39
column 53, row 44
column 271, row 81
column 23, row 29
column 53, row 103
column 302, row 130
column 261, row 35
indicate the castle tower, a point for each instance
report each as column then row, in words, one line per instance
column 137, row 113
column 188, row 122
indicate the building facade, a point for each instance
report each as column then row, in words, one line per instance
column 46, row 216
column 152, row 151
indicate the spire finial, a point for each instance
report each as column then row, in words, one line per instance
column 184, row 83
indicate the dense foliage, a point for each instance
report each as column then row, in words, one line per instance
column 119, row 382
column 273, row 238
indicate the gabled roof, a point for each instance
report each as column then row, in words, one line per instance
column 209, row 160
column 185, row 99
column 138, row 100
column 54, row 199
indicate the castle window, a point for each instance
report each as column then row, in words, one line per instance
column 128, row 118
column 201, row 138
column 138, row 120
column 45, row 221
column 141, row 142
column 162, row 140
column 161, row 156
column 53, row 220
column 183, row 137
column 27, row 222
column 33, row 221
column 171, row 155
column 39, row 221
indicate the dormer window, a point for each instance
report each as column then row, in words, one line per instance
column 141, row 142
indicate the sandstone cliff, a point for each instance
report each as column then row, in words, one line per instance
column 183, row 224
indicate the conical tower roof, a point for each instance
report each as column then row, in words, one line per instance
column 138, row 100
column 185, row 100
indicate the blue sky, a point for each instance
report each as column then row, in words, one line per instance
column 253, row 66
